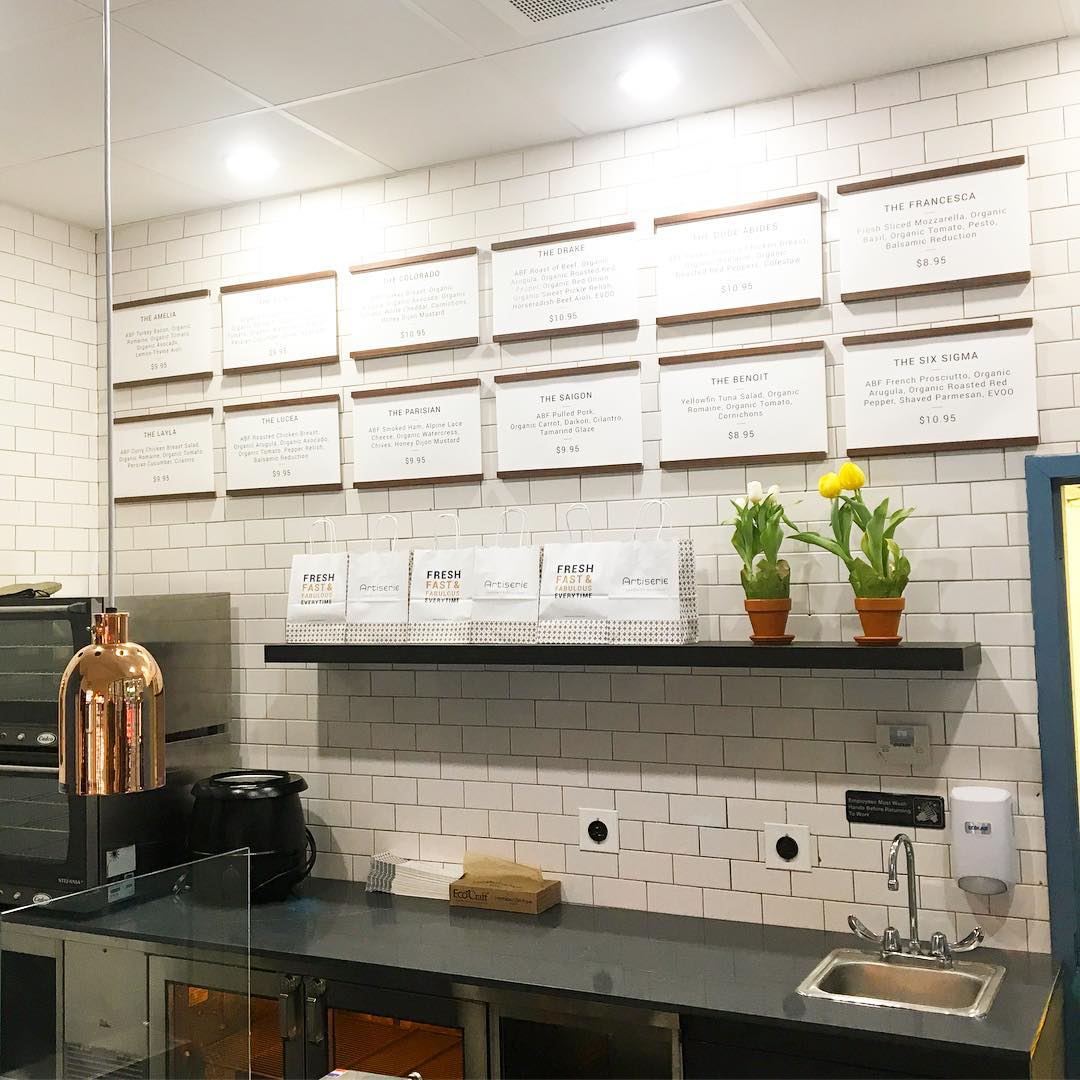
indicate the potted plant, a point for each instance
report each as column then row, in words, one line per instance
column 879, row 572
column 766, row 578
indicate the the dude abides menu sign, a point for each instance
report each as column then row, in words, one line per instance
column 947, row 387
column 281, row 322
column 161, row 339
column 428, row 433
column 569, row 420
column 765, row 403
column 763, row 256
column 418, row 304
column 958, row 227
column 166, row 455
column 578, row 282
column 274, row 447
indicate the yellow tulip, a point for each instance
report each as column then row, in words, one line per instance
column 829, row 486
column 851, row 477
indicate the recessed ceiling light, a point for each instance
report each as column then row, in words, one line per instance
column 251, row 163
column 649, row 79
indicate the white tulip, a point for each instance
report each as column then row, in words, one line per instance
column 754, row 492
column 773, row 492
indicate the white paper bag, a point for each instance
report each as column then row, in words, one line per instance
column 378, row 600
column 506, row 590
column 440, row 592
column 572, row 588
column 317, row 591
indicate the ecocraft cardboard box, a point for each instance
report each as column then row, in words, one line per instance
column 501, row 885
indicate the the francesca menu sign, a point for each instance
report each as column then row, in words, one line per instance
column 578, row 282
column 272, row 447
column 948, row 387
column 569, row 420
column 167, row 455
column 713, row 264
column 765, row 403
column 959, row 227
column 428, row 433
column 283, row 322
column 419, row 304
column 161, row 339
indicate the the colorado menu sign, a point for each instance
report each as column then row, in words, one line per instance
column 161, row 339
column 765, row 403
column 578, row 282
column 428, row 433
column 945, row 387
column 959, row 227
column 418, row 304
column 569, row 420
column 166, row 455
column 274, row 447
column 764, row 256
column 283, row 322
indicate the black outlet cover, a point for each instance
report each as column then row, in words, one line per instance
column 787, row 847
column 598, row 831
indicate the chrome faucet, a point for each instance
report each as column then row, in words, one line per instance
column 914, row 944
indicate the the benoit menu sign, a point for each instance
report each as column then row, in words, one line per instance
column 164, row 455
column 161, row 339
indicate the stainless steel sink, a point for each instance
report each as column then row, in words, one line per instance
column 904, row 982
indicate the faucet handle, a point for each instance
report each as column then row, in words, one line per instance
column 860, row 929
column 969, row 942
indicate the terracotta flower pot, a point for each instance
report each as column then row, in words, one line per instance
column 768, row 618
column 880, row 617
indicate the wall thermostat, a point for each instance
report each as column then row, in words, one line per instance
column 903, row 744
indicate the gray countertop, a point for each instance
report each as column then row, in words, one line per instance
column 665, row 962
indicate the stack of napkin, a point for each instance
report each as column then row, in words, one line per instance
column 410, row 877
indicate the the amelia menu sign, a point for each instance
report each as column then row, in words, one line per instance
column 959, row 227
column 945, row 387
column 166, row 455
column 161, row 339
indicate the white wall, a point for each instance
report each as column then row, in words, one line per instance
column 426, row 762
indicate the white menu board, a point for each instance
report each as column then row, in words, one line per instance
column 418, row 304
column 578, row 282
column 714, row 264
column 765, row 403
column 167, row 455
column 161, row 339
column 569, row 420
column 424, row 434
column 946, row 387
column 284, row 322
column 958, row 227
column 273, row 447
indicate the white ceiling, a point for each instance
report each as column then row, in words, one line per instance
column 342, row 90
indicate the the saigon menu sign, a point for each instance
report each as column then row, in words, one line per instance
column 166, row 455
column 161, row 339
column 947, row 387
column 958, row 227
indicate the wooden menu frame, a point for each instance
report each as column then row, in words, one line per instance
column 169, row 414
column 126, row 305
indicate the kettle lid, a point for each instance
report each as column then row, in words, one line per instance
column 249, row 784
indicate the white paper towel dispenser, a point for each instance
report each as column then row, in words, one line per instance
column 984, row 859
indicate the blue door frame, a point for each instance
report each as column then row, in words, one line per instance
column 1057, row 739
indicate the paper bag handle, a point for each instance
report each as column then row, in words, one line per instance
column 523, row 518
column 641, row 515
column 375, row 530
column 588, row 514
column 329, row 532
column 457, row 530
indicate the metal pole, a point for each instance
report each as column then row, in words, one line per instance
column 110, row 509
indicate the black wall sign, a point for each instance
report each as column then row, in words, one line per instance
column 890, row 808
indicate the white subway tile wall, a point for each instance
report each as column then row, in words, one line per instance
column 431, row 762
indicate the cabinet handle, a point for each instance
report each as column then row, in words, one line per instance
column 314, row 1013
column 289, row 1007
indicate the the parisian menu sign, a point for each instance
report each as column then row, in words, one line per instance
column 569, row 420
column 759, row 257
column 951, row 228
column 418, row 304
column 764, row 402
column 161, row 339
column 284, row 322
column 278, row 446
column 948, row 386
column 164, row 455
column 584, row 281
column 422, row 434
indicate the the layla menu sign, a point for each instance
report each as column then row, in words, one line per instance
column 161, row 339
column 959, row 227
column 578, row 282
column 166, row 455
column 274, row 447
column 765, row 403
column 947, row 387
column 418, row 304
column 282, row 322
column 569, row 420
column 428, row 433
column 764, row 256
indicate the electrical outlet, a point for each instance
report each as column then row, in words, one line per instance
column 787, row 847
column 599, row 830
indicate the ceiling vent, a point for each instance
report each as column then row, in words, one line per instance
column 539, row 11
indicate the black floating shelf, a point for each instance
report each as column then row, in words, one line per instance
column 913, row 656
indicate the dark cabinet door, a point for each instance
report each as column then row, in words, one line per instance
column 709, row 1061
